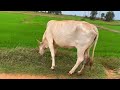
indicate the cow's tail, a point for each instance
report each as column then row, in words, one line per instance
column 94, row 46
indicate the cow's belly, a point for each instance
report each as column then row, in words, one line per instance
column 64, row 42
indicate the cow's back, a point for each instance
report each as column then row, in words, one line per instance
column 68, row 32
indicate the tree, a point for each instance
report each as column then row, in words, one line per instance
column 55, row 12
column 109, row 16
column 50, row 11
column 102, row 15
column 93, row 14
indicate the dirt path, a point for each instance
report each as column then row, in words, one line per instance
column 24, row 76
column 108, row 29
column 111, row 74
column 27, row 76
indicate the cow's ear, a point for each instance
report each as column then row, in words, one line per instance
column 39, row 42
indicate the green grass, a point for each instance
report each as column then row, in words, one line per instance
column 28, row 61
column 108, row 44
column 19, row 48
column 114, row 27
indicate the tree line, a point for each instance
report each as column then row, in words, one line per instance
column 53, row 12
column 109, row 16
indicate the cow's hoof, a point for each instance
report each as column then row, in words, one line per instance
column 79, row 73
column 52, row 68
column 69, row 74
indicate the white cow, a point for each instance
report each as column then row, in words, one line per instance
column 70, row 34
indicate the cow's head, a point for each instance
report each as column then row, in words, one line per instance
column 42, row 47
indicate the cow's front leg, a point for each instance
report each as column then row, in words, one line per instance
column 51, row 47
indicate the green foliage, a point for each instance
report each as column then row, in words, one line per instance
column 93, row 15
column 55, row 12
column 109, row 16
column 28, row 61
column 102, row 15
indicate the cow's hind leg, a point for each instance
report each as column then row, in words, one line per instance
column 80, row 54
column 87, row 56
column 88, row 60
column 91, row 64
column 83, row 66
column 85, row 62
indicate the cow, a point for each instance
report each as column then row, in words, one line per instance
column 70, row 34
